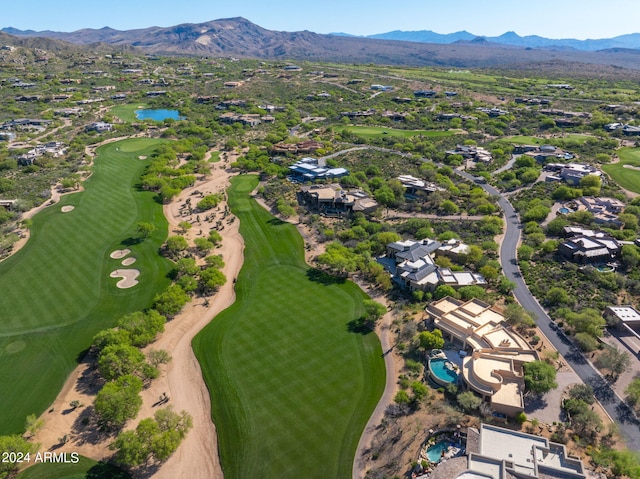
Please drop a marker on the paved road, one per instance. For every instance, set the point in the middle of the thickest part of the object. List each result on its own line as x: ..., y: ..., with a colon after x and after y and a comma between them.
x: 629, y: 426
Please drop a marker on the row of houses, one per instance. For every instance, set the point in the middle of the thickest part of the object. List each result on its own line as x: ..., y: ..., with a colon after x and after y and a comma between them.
x: 250, y: 119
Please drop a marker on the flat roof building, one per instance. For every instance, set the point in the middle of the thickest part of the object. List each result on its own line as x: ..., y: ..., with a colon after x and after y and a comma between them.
x: 494, y: 369
x: 496, y: 453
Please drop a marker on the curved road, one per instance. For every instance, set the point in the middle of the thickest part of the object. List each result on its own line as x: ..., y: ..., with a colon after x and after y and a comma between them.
x: 628, y: 425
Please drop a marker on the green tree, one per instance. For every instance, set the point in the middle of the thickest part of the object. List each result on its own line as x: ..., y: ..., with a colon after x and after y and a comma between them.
x: 518, y: 317
x: 111, y: 336
x: 557, y: 296
x: 153, y: 439
x: 525, y: 252
x: 614, y: 361
x: 449, y: 207
x: 445, y: 290
x: 469, y: 401
x: 33, y: 424
x: 539, y: 377
x: 210, y: 201
x: 215, y: 237
x: 157, y: 357
x: 582, y: 392
x: 469, y: 292
x: 187, y: 266
x: 587, y: 423
x: 630, y: 257
x: 633, y: 392
x: 203, y: 245
x: 14, y: 444
x: 119, y: 360
x: 212, y: 279
x: 402, y: 397
x: 373, y: 310
x: 176, y: 245
x: 118, y: 401
x: 428, y: 340
x: 489, y: 272
x: 338, y: 258
x: 184, y: 226
x: 586, y: 342
x: 171, y: 301
x: 143, y: 327
x: 214, y: 261
x: 145, y: 229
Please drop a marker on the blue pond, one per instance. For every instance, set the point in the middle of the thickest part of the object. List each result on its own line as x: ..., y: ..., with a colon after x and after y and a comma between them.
x: 440, y: 367
x: 158, y: 115
x: 434, y: 453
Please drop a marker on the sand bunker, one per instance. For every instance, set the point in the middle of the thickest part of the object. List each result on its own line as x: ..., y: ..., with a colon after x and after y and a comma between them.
x: 67, y: 208
x: 120, y: 253
x: 128, y: 261
x: 142, y: 157
x: 128, y: 277
x: 631, y: 167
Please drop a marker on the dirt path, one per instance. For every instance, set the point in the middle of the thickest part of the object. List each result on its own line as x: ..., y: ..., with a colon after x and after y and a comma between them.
x: 181, y: 379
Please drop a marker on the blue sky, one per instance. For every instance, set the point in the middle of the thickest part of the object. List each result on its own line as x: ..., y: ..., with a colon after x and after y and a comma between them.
x: 549, y: 18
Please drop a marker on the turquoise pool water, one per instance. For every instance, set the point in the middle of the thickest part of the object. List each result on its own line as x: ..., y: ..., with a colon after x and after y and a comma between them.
x: 158, y: 115
x: 606, y: 269
x: 564, y: 211
x: 439, y: 368
x: 434, y: 453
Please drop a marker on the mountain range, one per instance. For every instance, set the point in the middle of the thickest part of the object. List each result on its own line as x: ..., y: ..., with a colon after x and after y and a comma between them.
x: 241, y: 38
x: 631, y: 41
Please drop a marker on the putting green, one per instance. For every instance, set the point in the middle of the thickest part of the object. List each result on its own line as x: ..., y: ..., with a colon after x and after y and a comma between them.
x: 57, y: 292
x: 626, y: 172
x: 291, y: 386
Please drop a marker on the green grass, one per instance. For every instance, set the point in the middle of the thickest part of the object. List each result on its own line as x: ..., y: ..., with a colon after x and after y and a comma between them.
x: 627, y: 178
x: 378, y: 131
x: 534, y: 140
x: 291, y: 387
x: 127, y: 112
x: 85, y: 469
x: 56, y: 291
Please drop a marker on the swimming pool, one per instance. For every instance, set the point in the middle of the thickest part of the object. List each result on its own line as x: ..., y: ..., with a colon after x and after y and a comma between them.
x: 443, y: 371
x: 434, y: 453
x: 564, y: 210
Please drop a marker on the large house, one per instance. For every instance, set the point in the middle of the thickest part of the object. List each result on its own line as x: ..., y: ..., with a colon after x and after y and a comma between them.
x: 415, y: 186
x: 494, y: 367
x: 332, y: 200
x: 412, y: 266
x: 312, y: 169
x: 587, y: 247
x: 627, y: 319
x: 99, y: 126
x: 497, y: 453
x: 570, y: 173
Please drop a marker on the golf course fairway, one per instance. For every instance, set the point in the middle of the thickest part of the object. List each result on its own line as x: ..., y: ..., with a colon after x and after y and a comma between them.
x: 57, y: 292
x: 292, y: 386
